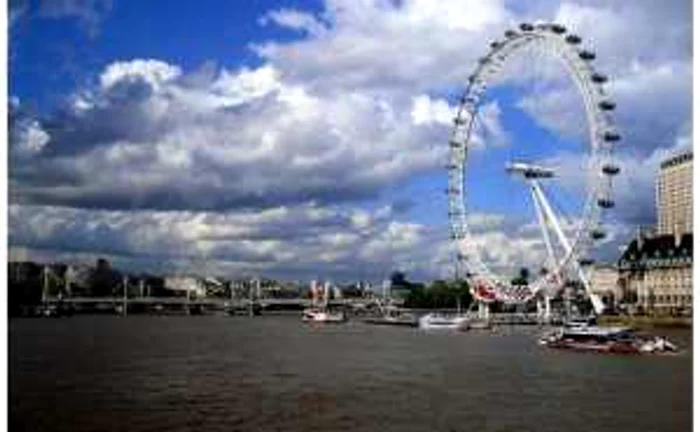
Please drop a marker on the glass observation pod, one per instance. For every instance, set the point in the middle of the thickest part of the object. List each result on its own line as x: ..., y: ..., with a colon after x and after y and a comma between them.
x: 599, y: 78
x: 611, y: 136
x: 451, y: 166
x: 597, y: 233
x: 573, y: 39
x: 527, y: 27
x: 607, y: 105
x: 585, y: 262
x: 460, y: 121
x: 611, y: 169
x: 558, y: 29
x: 495, y: 44
x: 455, y: 144
x: 587, y: 55
x: 510, y: 34
x: 468, y: 99
x: 606, y: 203
x: 484, y: 60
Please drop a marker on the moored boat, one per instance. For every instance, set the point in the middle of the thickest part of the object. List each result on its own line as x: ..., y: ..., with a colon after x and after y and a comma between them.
x: 407, y: 320
x: 323, y: 316
x: 320, y: 312
x: 392, y: 315
x: 615, y: 340
x: 434, y: 321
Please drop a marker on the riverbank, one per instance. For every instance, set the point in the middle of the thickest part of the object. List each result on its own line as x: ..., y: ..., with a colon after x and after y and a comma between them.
x: 646, y: 321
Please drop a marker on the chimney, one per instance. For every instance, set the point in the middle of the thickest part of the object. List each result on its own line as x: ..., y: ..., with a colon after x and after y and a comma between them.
x: 640, y: 238
x: 678, y: 237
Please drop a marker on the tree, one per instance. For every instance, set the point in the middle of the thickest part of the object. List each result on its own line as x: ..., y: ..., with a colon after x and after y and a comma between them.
x: 522, y: 278
x: 398, y: 280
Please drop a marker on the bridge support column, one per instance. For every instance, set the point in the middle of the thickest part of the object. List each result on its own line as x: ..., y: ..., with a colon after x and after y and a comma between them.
x: 544, y: 310
x: 483, y: 311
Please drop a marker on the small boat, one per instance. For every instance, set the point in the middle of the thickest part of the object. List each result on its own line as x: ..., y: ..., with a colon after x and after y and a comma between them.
x: 479, y: 324
x: 320, y: 312
x: 434, y: 321
x: 315, y: 315
x: 392, y: 315
x: 614, y: 340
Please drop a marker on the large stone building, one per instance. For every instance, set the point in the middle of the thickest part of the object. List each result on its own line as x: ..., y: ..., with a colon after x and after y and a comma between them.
x: 674, y: 195
x: 656, y: 272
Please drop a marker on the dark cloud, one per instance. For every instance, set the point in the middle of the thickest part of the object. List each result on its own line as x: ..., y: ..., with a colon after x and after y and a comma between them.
x: 221, y: 165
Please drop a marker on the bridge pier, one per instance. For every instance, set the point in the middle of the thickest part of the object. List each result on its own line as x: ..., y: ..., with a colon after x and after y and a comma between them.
x: 483, y: 312
x: 544, y: 310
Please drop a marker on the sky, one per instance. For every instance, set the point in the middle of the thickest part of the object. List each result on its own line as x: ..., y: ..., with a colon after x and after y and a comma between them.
x: 308, y: 139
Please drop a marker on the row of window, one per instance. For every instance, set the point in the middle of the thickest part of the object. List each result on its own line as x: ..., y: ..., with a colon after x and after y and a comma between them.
x: 671, y: 299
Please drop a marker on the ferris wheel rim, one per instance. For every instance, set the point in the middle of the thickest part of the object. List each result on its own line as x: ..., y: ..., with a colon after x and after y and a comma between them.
x: 589, y: 82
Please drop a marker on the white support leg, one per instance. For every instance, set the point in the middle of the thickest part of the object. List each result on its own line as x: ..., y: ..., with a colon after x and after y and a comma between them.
x: 543, y: 225
x: 598, y: 305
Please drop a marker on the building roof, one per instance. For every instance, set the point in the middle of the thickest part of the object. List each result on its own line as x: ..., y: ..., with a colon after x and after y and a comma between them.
x: 658, y: 251
x: 677, y: 160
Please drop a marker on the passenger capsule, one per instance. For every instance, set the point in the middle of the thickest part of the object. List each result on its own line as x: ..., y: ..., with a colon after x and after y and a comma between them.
x: 606, y: 203
x: 469, y: 100
x: 585, y: 262
x: 460, y: 121
x: 526, y: 27
x: 573, y: 39
x: 611, y: 136
x: 599, y: 78
x: 597, y: 234
x: 611, y: 169
x: 451, y: 166
x: 510, y: 34
x: 607, y: 105
x: 484, y: 60
x: 587, y: 55
x: 558, y: 28
x: 495, y: 44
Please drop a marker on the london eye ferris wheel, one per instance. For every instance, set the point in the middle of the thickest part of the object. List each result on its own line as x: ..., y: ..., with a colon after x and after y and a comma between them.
x: 567, y: 244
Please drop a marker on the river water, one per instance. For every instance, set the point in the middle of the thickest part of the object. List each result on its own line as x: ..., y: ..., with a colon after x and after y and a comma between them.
x: 273, y: 373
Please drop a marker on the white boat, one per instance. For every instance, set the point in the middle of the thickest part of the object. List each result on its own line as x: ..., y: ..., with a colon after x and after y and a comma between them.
x: 434, y: 321
x: 319, y: 312
x: 617, y: 340
x: 479, y: 324
x: 323, y: 316
x: 389, y: 314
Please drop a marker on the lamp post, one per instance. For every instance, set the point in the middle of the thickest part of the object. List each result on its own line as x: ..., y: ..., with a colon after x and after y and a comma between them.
x: 124, y: 291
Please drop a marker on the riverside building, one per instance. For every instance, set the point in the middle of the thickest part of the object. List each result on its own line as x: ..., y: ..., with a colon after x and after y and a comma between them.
x: 656, y: 272
x: 674, y: 195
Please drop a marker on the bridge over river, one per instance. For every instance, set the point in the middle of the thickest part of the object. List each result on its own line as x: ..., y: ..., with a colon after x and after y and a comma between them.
x: 229, y: 304
x: 213, y: 302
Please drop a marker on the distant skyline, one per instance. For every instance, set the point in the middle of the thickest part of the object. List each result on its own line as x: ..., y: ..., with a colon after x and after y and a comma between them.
x: 307, y: 139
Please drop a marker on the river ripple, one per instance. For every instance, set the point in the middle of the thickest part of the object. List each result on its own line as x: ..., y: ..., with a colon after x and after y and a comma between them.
x: 272, y: 373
